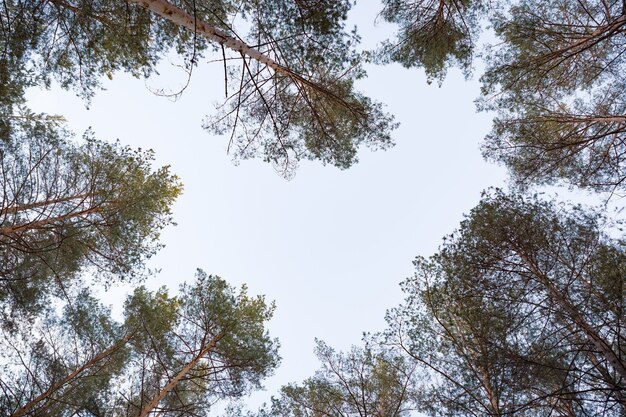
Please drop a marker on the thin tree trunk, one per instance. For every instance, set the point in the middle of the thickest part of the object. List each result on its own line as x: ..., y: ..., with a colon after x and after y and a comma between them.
x: 598, y: 342
x: 15, y: 209
x: 23, y: 410
x: 616, y: 389
x: 180, y: 375
x: 565, y: 118
x: 9, y: 230
x: 589, y: 39
x: 180, y: 17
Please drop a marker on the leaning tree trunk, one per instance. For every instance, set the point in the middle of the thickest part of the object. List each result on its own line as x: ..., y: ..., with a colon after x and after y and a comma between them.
x: 180, y: 375
x: 563, y: 302
x: 45, y: 203
x: 72, y: 376
x: 180, y: 17
x: 39, y: 224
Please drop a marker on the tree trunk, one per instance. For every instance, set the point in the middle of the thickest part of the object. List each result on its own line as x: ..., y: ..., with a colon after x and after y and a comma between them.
x: 560, y: 299
x: 180, y: 17
x: 9, y: 230
x: 588, y: 40
x: 174, y: 381
x: 15, y: 209
x: 576, y: 119
x: 26, y: 408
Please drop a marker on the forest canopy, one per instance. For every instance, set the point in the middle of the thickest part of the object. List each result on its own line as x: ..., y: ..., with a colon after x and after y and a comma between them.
x: 519, y: 312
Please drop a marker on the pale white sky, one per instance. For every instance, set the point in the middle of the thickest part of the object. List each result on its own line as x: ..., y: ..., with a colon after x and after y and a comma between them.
x: 330, y: 246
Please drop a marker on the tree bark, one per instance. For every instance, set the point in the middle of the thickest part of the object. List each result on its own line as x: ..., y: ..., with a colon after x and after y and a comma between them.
x: 566, y: 118
x: 9, y: 230
x: 179, y: 17
x: 588, y: 40
x: 181, y: 374
x: 23, y: 207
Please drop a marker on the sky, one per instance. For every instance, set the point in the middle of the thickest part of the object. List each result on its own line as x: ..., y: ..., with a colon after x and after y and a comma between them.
x: 330, y: 247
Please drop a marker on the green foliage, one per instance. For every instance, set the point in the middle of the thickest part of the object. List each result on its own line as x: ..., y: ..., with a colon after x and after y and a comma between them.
x: 174, y: 355
x: 308, y: 34
x: 519, y: 314
x: 152, y: 316
x: 207, y: 344
x: 238, y: 320
x: 67, y: 209
x: 78, y: 43
x: 363, y: 381
x: 557, y: 82
x: 302, y: 122
x: 555, y: 78
x: 311, y: 113
x: 65, y: 363
x: 432, y: 34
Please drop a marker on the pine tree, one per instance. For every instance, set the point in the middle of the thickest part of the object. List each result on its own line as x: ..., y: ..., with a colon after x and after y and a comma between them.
x: 557, y: 82
x: 67, y: 209
x: 292, y: 97
x: 520, y: 312
x: 170, y: 356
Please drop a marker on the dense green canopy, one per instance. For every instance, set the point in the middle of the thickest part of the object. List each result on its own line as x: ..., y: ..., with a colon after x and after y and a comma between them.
x: 69, y: 209
x: 171, y: 355
x: 521, y: 312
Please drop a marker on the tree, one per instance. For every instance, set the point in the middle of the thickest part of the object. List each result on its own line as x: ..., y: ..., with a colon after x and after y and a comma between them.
x: 170, y: 356
x: 555, y: 79
x: 66, y: 209
x: 213, y: 346
x: 452, y: 336
x: 433, y: 34
x: 520, y: 312
x: 65, y: 363
x: 557, y: 83
x: 294, y: 93
x: 365, y: 381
